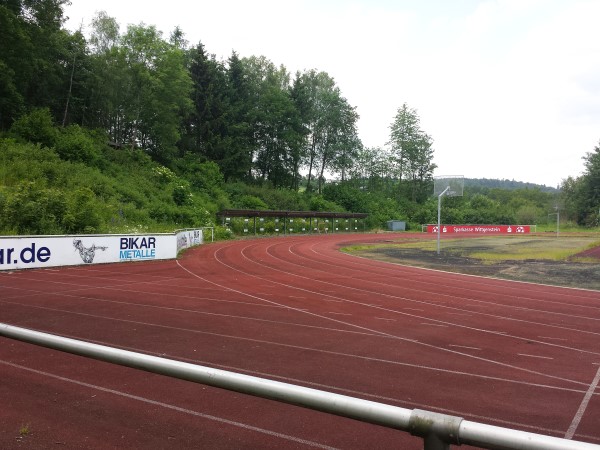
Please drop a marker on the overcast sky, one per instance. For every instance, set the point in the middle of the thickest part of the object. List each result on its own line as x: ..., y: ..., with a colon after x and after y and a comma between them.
x: 507, y: 89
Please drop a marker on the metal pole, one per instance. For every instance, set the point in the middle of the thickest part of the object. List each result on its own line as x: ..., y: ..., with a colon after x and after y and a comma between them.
x: 440, y: 218
x: 489, y: 436
x: 342, y: 405
x: 438, y: 431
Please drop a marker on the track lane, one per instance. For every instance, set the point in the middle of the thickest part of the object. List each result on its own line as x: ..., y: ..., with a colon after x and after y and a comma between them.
x: 339, y: 286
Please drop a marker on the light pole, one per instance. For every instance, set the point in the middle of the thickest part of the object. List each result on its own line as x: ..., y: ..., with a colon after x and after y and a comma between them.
x: 557, y: 213
x: 440, y: 217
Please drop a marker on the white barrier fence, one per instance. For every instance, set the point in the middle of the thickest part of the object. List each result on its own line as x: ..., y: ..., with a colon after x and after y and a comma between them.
x: 28, y: 252
x: 438, y: 431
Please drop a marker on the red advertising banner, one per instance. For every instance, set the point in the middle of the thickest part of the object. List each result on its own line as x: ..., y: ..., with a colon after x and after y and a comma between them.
x: 481, y: 229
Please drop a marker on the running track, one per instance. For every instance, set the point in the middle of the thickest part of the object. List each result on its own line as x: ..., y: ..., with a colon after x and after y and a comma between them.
x: 296, y: 310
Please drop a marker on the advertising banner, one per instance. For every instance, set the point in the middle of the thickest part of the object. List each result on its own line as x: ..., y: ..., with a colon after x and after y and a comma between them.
x: 189, y: 238
x: 51, y: 251
x: 481, y: 229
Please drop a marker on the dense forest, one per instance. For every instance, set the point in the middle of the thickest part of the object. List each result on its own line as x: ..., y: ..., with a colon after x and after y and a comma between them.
x: 126, y: 130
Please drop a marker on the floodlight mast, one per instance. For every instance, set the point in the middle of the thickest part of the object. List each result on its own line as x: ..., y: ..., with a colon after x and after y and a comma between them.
x: 440, y: 217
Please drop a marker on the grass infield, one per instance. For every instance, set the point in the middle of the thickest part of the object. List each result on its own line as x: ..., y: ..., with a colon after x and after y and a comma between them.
x: 538, y: 258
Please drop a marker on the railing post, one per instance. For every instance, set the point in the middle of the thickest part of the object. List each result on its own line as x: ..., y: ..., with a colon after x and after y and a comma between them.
x: 437, y: 430
x: 433, y: 442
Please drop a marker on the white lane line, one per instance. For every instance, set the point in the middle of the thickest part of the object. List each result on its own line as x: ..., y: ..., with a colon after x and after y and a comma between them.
x: 584, y: 403
x: 173, y: 407
x: 414, y: 309
x: 553, y: 338
x: 534, y: 356
x: 297, y: 296
x: 339, y: 314
x: 332, y: 300
x: 463, y: 346
x: 434, y: 324
x: 383, y: 318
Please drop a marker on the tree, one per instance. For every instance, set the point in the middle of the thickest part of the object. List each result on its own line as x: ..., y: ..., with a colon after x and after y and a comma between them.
x: 206, y: 125
x: 276, y: 124
x: 412, y: 152
x: 330, y: 124
x: 419, y: 168
x: 35, y: 58
x: 141, y: 87
x: 237, y: 161
x: 588, y: 199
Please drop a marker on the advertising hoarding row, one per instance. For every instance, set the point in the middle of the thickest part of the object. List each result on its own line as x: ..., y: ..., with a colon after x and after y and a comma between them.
x: 480, y: 229
x: 28, y: 252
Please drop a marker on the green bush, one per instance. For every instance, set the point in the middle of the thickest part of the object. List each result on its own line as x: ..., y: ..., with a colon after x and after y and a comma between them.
x: 33, y: 210
x: 251, y: 202
x: 83, y: 214
x: 181, y: 193
x: 76, y: 144
x: 318, y: 203
x: 36, y: 127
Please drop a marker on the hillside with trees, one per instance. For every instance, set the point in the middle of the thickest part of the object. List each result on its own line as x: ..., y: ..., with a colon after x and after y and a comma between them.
x: 127, y: 130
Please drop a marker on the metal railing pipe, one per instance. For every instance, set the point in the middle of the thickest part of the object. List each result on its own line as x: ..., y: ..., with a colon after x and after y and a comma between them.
x: 342, y: 405
x: 498, y: 438
x: 438, y: 431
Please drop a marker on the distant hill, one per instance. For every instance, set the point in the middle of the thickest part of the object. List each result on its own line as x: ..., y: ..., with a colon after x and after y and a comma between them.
x: 506, y: 184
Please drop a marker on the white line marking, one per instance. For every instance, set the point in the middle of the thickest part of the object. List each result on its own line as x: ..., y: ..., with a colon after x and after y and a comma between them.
x: 534, y: 356
x: 173, y: 407
x: 403, y: 339
x: 414, y: 309
x: 332, y: 300
x: 296, y: 296
x: 434, y: 324
x: 383, y: 318
x: 553, y: 338
x: 463, y: 346
x: 339, y: 314
x: 583, y: 406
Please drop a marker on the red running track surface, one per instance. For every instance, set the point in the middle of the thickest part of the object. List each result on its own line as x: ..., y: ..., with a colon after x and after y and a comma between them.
x: 297, y: 310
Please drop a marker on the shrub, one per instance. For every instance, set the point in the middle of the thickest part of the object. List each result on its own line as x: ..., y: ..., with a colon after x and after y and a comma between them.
x: 75, y: 144
x: 318, y: 203
x: 34, y: 210
x: 83, y: 215
x: 251, y: 202
x: 37, y: 127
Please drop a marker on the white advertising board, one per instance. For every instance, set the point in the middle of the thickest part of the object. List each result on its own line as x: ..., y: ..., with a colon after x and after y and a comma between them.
x: 25, y: 252
x: 189, y: 238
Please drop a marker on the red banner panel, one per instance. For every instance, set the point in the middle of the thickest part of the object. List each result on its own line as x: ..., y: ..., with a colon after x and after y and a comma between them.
x: 481, y: 229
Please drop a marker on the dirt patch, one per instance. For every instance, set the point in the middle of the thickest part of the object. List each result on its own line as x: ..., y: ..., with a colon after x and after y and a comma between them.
x: 585, y: 275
